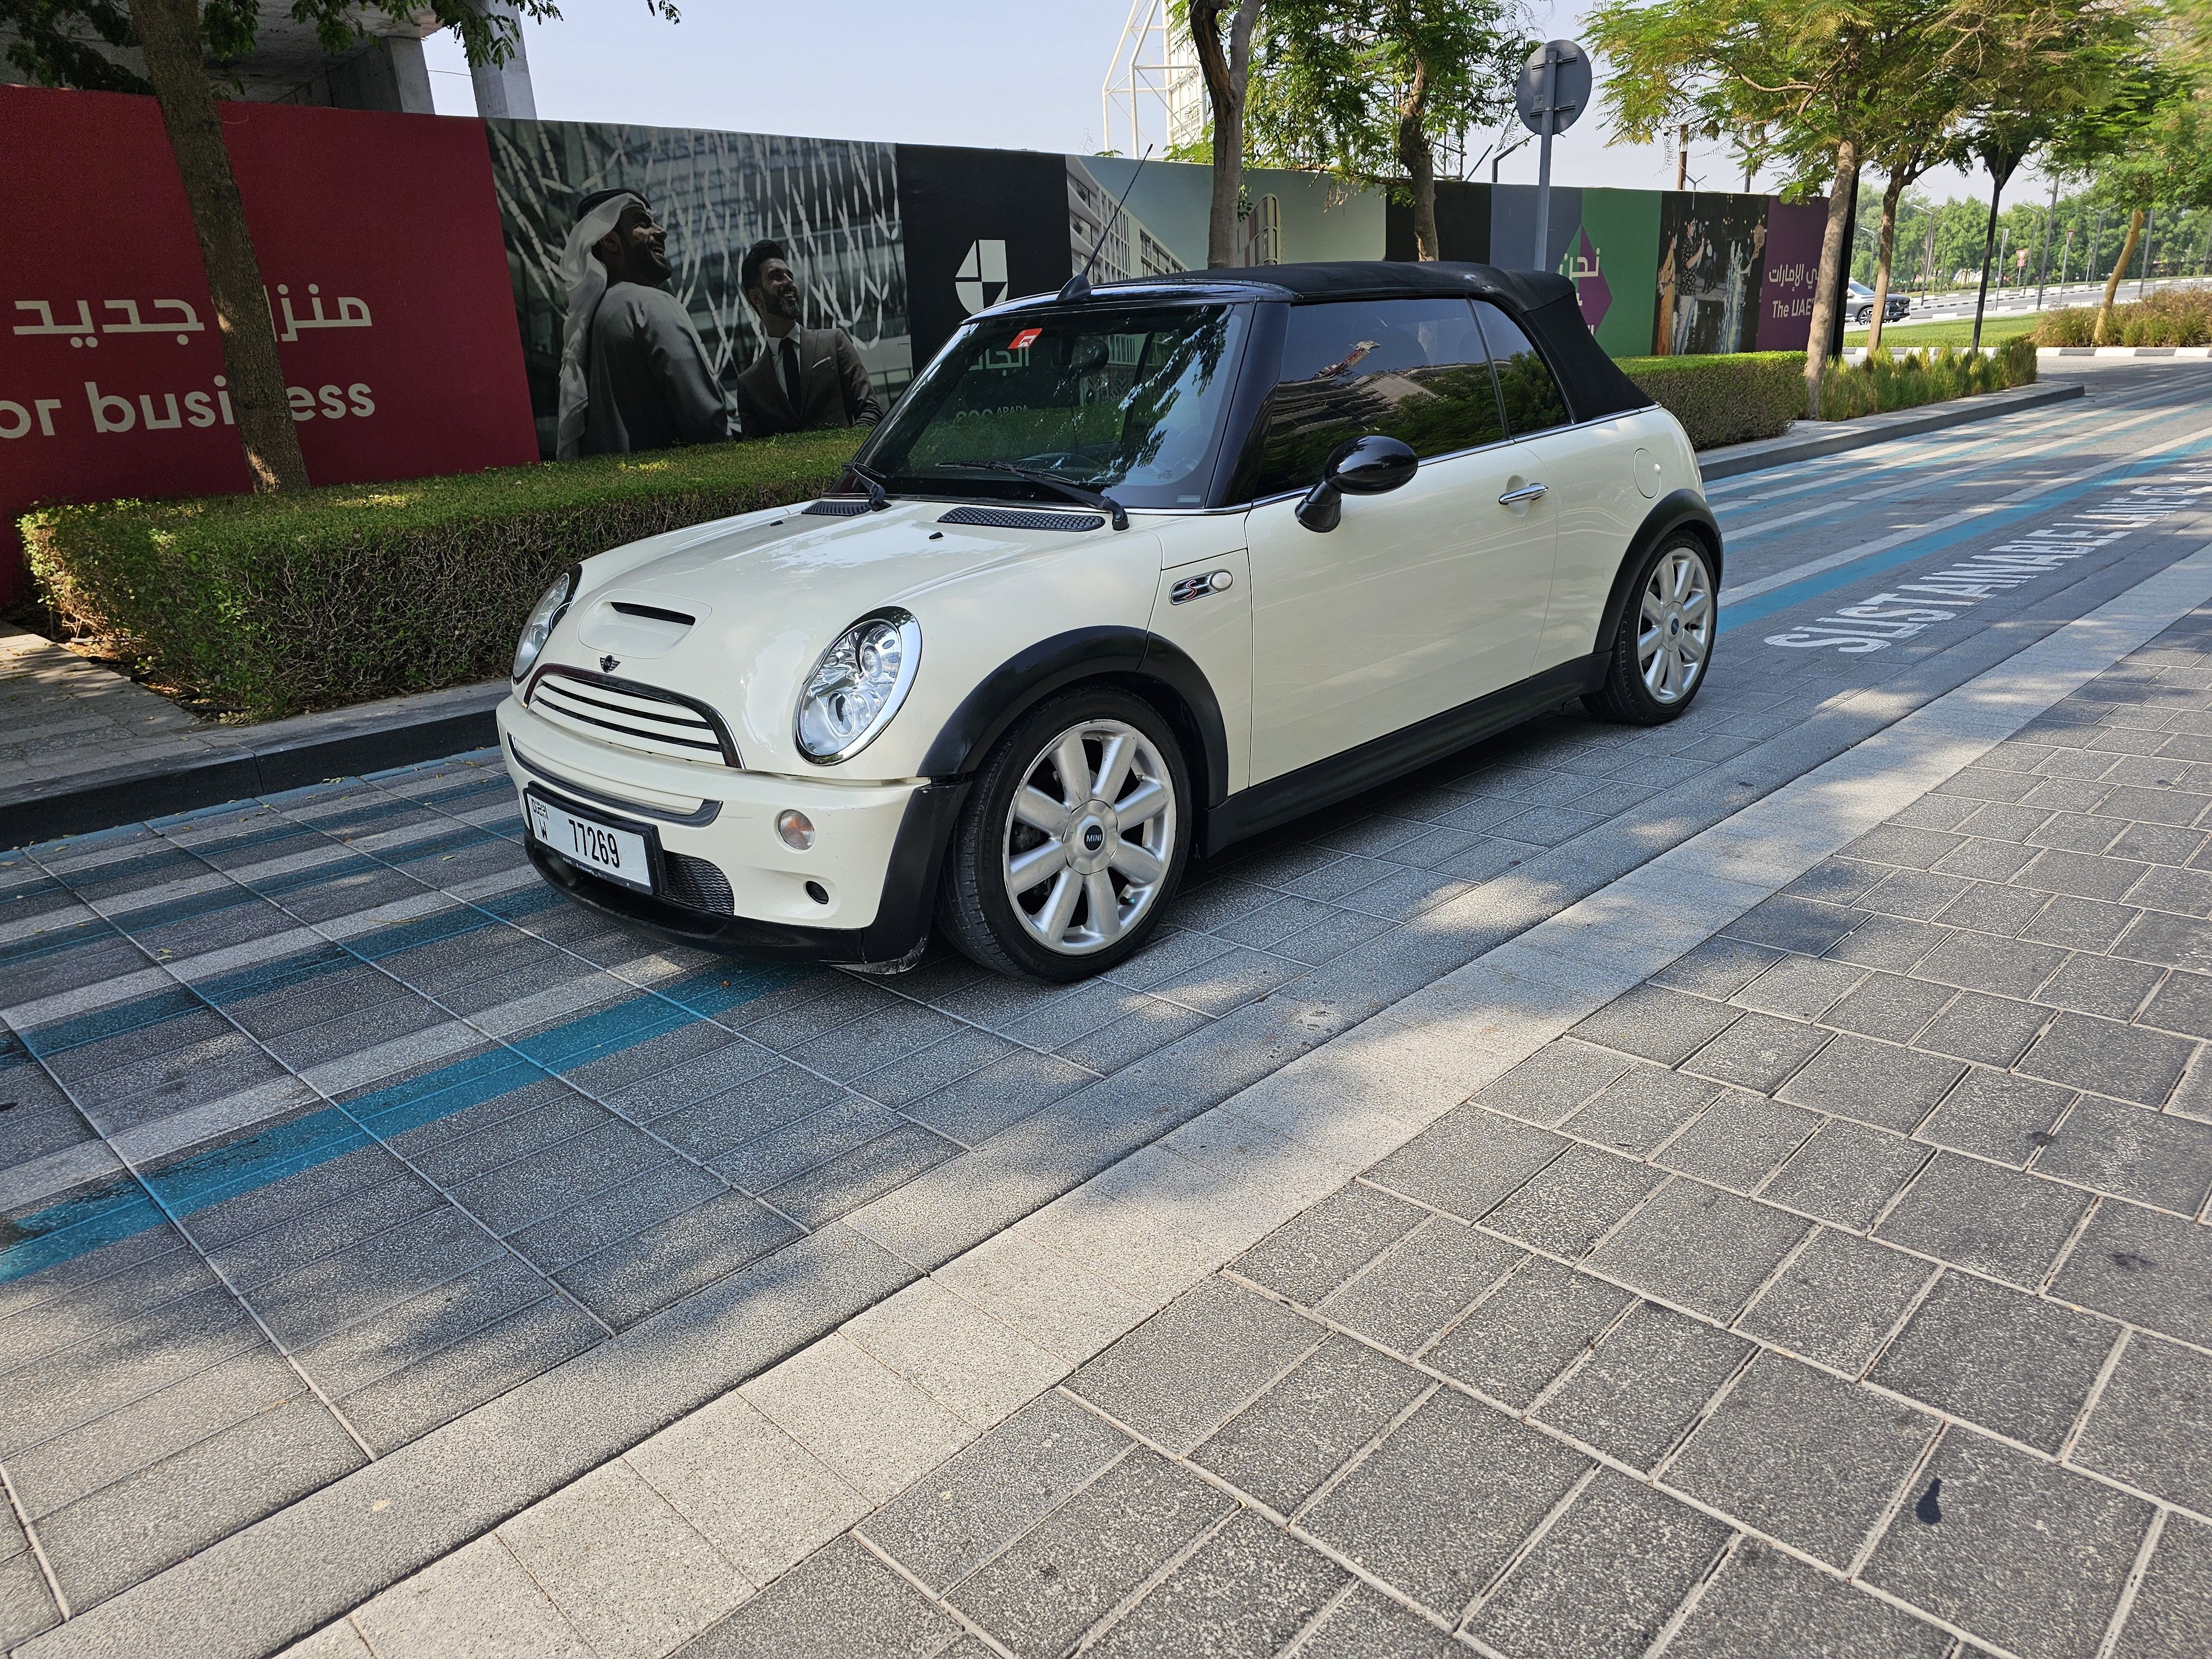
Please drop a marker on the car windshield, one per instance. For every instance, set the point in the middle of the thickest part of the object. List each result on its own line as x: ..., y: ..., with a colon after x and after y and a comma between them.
x: 1127, y: 402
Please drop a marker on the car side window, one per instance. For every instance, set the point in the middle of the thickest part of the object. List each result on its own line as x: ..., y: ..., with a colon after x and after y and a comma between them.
x: 1416, y: 370
x: 1531, y: 396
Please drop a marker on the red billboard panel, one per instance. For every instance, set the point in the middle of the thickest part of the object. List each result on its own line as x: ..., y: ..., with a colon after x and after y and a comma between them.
x: 380, y: 244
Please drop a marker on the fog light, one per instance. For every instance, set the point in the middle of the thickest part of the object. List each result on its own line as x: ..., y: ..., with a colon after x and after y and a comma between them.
x: 817, y: 892
x: 796, y: 830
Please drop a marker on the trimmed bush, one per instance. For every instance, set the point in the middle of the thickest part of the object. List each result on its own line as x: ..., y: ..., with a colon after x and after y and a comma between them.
x: 281, y: 604
x: 1730, y: 399
x: 1883, y: 382
x: 2165, y: 317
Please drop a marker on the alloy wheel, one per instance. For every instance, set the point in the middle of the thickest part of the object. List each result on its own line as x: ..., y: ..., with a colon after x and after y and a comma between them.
x: 1675, y: 634
x: 1089, y: 836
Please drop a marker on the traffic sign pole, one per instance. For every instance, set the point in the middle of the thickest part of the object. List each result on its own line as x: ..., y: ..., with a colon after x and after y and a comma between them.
x: 1554, y: 88
x: 1544, y: 158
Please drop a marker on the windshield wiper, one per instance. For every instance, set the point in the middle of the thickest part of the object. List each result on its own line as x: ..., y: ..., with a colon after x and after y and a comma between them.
x: 1075, y: 492
x: 879, y: 497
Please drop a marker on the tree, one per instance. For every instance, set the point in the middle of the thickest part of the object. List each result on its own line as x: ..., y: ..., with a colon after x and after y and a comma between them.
x: 1366, y: 89
x: 2148, y: 145
x: 58, y: 43
x: 1225, y: 65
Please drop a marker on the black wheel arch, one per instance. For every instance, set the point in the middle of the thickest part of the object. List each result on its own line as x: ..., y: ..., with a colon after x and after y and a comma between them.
x: 1683, y: 509
x: 1162, y: 673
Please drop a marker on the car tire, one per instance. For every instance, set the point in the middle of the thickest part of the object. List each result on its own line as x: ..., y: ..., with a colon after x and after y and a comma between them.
x: 1657, y: 661
x: 1013, y: 903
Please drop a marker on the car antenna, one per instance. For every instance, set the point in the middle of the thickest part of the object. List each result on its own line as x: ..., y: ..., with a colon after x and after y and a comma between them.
x: 1079, y: 284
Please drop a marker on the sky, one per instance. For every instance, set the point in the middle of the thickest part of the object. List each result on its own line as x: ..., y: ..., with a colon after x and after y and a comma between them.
x: 1002, y: 74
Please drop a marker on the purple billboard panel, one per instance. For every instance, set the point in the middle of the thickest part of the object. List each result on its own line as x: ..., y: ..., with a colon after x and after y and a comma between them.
x: 1792, y: 268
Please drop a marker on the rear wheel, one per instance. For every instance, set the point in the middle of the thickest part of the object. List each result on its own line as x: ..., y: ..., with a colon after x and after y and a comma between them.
x: 1073, y: 840
x: 1664, y: 643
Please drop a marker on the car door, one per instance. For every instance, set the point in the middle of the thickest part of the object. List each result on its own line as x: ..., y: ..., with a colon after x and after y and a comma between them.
x: 1421, y: 600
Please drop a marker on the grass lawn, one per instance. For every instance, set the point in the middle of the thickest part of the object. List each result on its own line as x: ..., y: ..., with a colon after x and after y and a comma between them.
x: 1959, y: 333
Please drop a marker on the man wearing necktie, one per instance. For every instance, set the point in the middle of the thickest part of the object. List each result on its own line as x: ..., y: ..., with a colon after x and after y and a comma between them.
x: 804, y: 378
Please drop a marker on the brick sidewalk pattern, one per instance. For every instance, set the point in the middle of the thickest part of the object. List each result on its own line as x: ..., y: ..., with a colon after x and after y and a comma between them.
x: 1840, y: 1290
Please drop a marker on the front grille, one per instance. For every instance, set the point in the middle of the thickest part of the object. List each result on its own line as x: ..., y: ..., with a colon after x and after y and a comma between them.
x: 630, y: 716
x: 1012, y: 518
x: 698, y: 884
x: 835, y: 510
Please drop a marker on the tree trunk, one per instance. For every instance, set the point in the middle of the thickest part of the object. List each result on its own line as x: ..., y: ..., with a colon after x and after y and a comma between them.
x: 1828, y: 291
x: 169, y: 32
x: 1886, y: 250
x: 2119, y: 270
x: 1419, y: 162
x: 1989, y: 243
x: 1227, y: 73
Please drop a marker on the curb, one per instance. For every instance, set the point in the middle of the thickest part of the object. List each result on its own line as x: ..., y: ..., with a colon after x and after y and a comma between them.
x: 282, y: 755
x: 2123, y: 351
x: 1732, y: 460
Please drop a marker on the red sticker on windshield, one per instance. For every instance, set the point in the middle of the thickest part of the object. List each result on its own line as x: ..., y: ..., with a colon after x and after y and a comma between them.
x: 1024, y: 339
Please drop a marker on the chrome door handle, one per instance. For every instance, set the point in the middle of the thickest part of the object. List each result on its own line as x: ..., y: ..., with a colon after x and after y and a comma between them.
x: 1526, y: 493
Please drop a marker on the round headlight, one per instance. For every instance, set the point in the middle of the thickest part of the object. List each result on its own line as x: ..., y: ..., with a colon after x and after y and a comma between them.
x: 545, y: 617
x: 857, y: 686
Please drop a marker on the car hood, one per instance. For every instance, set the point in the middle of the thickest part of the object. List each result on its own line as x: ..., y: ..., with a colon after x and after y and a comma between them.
x: 736, y: 614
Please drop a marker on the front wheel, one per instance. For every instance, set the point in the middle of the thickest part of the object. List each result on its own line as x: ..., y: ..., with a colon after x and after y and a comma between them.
x: 1073, y: 840
x: 1659, y: 653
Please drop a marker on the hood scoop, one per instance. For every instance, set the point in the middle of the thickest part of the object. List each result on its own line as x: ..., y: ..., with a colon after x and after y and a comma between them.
x: 638, y: 626
x: 1016, y: 518
x: 833, y: 509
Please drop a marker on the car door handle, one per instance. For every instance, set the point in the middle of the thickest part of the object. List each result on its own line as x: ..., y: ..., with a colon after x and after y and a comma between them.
x: 1526, y: 493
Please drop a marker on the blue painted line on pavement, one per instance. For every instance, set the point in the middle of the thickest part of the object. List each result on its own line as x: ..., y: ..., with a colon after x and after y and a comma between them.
x: 198, y: 1180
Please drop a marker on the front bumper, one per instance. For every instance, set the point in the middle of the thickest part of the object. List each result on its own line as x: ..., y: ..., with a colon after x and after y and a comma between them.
x: 862, y: 895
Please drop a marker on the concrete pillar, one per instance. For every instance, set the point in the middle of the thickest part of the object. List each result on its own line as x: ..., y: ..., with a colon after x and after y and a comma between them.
x: 387, y: 73
x: 504, y: 90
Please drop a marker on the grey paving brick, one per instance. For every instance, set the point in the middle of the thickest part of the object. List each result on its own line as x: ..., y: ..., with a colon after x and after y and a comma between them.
x: 1758, y: 1052
x: 1550, y: 1084
x: 1839, y: 1300
x: 1249, y: 1590
x: 2172, y: 1618
x: 1467, y: 1161
x: 747, y: 1111
x: 1891, y: 942
x: 1792, y: 924
x: 671, y: 1258
x: 1054, y: 1582
x: 2175, y: 941
x: 2025, y: 1555
x: 1368, y: 1625
x: 1888, y: 1087
x: 1312, y: 1253
x: 1993, y: 1114
x: 1412, y: 1293
x: 1990, y: 908
x: 1844, y: 1174
x: 1442, y: 1504
x: 1604, y: 1579
x: 1574, y: 1200
x: 1637, y: 1394
x: 312, y: 1301
x: 2112, y: 1058
x: 607, y: 1218
x: 994, y: 1490
x: 124, y: 1532
x: 839, y: 1600
x: 1889, y: 1006
x: 2083, y: 875
x: 135, y: 1288
x: 1739, y: 1140
x: 1995, y: 1031
x: 1281, y: 1448
x: 1719, y: 968
x: 476, y: 1367
x: 1657, y: 1023
x: 2102, y: 985
x: 2159, y: 843
x: 2009, y: 1361
x: 1968, y: 1213
x: 1998, y: 966
x: 1917, y: 895
x: 1799, y: 987
x: 1131, y: 1038
x: 1528, y: 1331
x: 1984, y: 861
x: 1699, y: 1247
x: 1803, y: 1457
x: 2187, y: 892
x: 545, y: 1182
x: 1636, y: 1113
x: 2152, y: 1424
x: 1904, y: 848
x: 2154, y: 1158
x: 2142, y: 1266
x: 1177, y: 1376
x: 359, y: 1354
x: 1765, y: 1604
x: 2183, y: 1003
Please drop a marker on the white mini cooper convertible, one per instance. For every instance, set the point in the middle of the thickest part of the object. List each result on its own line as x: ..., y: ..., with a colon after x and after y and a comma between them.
x: 1130, y: 571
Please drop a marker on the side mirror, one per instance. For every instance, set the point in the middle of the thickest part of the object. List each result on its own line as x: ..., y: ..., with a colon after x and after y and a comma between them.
x: 1371, y: 466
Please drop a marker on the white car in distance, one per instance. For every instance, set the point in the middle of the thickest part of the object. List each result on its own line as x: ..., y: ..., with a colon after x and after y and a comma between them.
x: 1131, y: 572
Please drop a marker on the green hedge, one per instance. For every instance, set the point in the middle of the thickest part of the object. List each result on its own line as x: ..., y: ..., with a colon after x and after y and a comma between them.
x: 279, y: 604
x: 1883, y: 382
x: 1729, y: 399
x: 2167, y: 317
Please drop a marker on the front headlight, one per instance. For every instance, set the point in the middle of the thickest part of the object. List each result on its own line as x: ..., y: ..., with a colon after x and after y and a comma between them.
x: 857, y: 686
x: 545, y: 617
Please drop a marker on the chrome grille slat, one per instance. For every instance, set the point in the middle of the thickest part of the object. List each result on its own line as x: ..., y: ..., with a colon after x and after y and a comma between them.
x: 629, y: 716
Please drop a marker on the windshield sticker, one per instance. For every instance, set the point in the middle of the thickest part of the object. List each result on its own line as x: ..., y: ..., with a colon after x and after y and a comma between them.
x: 1899, y: 612
x: 1022, y: 341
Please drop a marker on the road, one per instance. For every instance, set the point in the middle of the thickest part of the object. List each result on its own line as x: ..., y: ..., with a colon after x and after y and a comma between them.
x: 362, y: 1196
x: 2015, y: 301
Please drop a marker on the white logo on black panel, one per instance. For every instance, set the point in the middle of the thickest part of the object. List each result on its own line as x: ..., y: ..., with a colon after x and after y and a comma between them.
x: 980, y: 282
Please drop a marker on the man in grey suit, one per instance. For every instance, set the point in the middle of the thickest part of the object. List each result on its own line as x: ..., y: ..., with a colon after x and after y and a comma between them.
x: 804, y: 378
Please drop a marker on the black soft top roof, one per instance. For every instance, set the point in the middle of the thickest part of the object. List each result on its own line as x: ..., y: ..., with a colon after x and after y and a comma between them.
x: 1543, y: 302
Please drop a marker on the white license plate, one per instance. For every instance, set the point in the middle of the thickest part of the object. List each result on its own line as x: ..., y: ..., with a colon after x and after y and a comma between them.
x: 617, y: 854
